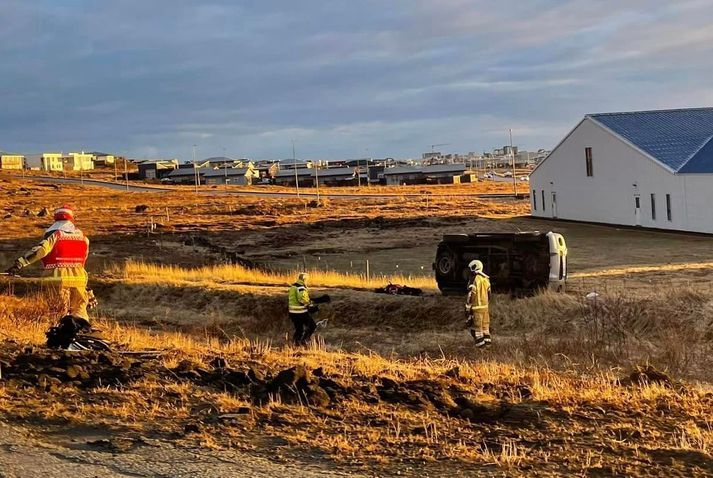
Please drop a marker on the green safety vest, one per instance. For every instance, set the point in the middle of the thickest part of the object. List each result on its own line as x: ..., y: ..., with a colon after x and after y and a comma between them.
x: 298, y: 298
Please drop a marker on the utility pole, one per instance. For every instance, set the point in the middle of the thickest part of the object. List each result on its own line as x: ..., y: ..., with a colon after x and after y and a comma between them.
x: 81, y: 168
x: 512, y: 154
x: 126, y: 174
x: 368, y: 160
x: 116, y: 178
x: 316, y: 179
x: 225, y: 169
x: 195, y: 169
x: 294, y: 165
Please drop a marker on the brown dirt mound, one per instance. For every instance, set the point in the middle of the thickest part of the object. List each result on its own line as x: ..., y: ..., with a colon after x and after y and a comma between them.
x: 48, y: 369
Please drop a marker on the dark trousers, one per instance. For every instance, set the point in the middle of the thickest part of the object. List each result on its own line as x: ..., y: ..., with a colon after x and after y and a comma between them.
x: 304, y: 327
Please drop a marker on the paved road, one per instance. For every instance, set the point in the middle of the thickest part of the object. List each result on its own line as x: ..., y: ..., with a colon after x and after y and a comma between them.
x: 22, y: 456
x: 134, y: 188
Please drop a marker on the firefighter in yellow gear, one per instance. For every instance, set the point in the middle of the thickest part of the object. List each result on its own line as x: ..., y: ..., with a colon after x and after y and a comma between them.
x: 299, y: 310
x: 63, y: 252
x: 477, y: 303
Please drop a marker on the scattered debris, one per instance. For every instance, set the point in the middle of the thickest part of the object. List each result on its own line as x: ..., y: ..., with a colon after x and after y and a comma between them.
x: 398, y: 289
x: 646, y: 375
x: 141, y: 208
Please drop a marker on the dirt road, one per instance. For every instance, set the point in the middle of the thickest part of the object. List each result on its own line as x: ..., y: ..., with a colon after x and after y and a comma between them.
x: 88, y: 457
x: 263, y: 193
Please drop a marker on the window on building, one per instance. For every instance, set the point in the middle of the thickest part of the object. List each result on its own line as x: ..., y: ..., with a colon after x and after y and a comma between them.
x: 653, y: 207
x: 588, y: 157
x: 534, y: 200
x: 544, y: 204
x: 668, y: 207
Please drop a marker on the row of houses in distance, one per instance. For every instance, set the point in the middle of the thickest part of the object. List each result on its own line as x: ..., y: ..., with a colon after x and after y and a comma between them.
x: 494, y: 159
x: 220, y: 171
x: 74, y: 161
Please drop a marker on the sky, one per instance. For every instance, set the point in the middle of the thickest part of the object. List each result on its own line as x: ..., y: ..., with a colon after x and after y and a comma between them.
x: 340, y: 78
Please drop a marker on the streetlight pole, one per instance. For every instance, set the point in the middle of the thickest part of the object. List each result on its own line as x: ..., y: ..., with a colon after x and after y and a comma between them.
x: 126, y: 174
x: 512, y: 154
x: 294, y: 165
x: 195, y: 169
x: 316, y: 179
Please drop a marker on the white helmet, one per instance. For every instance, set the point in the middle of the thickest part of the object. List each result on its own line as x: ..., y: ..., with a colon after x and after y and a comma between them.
x: 475, y: 266
x: 303, y: 276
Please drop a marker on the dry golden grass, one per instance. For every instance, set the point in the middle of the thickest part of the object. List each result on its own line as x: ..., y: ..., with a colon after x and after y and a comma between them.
x: 133, y: 272
x: 607, y: 428
x: 102, y: 211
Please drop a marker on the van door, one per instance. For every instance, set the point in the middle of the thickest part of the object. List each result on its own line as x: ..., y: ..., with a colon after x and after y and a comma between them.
x: 554, y: 205
x: 637, y: 210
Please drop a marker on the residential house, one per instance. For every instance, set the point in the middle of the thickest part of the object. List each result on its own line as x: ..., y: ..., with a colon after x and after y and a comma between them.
x: 78, y: 161
x: 642, y: 169
x: 156, y: 168
x: 11, y: 161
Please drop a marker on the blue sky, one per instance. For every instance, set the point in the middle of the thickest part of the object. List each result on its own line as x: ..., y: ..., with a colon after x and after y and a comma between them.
x: 342, y: 78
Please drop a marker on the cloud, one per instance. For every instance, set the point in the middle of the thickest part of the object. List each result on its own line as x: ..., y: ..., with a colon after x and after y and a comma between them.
x: 339, y: 77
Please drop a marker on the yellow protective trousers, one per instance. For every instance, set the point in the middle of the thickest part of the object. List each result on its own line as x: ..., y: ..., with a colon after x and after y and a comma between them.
x: 481, y: 321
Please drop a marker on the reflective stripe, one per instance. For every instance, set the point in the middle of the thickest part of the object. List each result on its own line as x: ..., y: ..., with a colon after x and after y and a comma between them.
x: 478, y: 307
x: 298, y: 310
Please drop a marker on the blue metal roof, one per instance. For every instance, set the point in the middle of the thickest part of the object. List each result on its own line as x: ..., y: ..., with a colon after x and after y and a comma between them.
x: 680, y: 139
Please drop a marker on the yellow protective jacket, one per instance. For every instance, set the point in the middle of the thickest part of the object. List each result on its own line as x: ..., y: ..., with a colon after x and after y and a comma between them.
x: 298, y: 298
x: 478, y: 293
x: 63, y: 275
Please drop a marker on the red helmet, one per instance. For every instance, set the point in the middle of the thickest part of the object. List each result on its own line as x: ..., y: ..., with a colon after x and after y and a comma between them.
x: 64, y: 213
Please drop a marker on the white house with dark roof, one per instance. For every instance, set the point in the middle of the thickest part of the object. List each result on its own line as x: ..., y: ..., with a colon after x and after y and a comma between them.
x: 646, y: 168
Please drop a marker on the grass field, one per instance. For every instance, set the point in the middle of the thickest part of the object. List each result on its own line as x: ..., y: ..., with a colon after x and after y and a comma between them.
x: 620, y: 385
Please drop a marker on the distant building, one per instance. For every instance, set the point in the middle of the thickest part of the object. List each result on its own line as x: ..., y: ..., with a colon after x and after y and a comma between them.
x: 222, y: 161
x: 186, y: 174
x: 286, y: 177
x: 402, y: 175
x: 431, y: 155
x: 234, y: 176
x: 433, y: 174
x: 51, y: 161
x: 443, y: 173
x: 294, y: 163
x: 11, y: 161
x: 338, y: 177
x: 237, y: 176
x: 102, y: 159
x: 78, y: 161
x: 156, y: 168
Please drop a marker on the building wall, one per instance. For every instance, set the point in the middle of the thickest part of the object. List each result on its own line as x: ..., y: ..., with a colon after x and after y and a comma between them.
x: 619, y: 173
x: 108, y: 159
x: 12, y: 161
x: 234, y: 180
x: 52, y: 161
x: 79, y: 161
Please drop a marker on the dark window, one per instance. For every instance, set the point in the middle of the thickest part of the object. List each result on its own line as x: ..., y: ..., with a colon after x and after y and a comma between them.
x: 534, y: 200
x: 588, y: 157
x: 544, y: 204
x: 653, y: 207
x: 668, y: 207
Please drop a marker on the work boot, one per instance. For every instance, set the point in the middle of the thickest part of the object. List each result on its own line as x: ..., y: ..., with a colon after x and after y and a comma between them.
x: 479, y: 339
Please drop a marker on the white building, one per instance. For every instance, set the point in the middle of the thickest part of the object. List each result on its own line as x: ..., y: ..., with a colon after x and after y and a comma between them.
x: 51, y: 161
x: 650, y: 169
x: 78, y: 161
